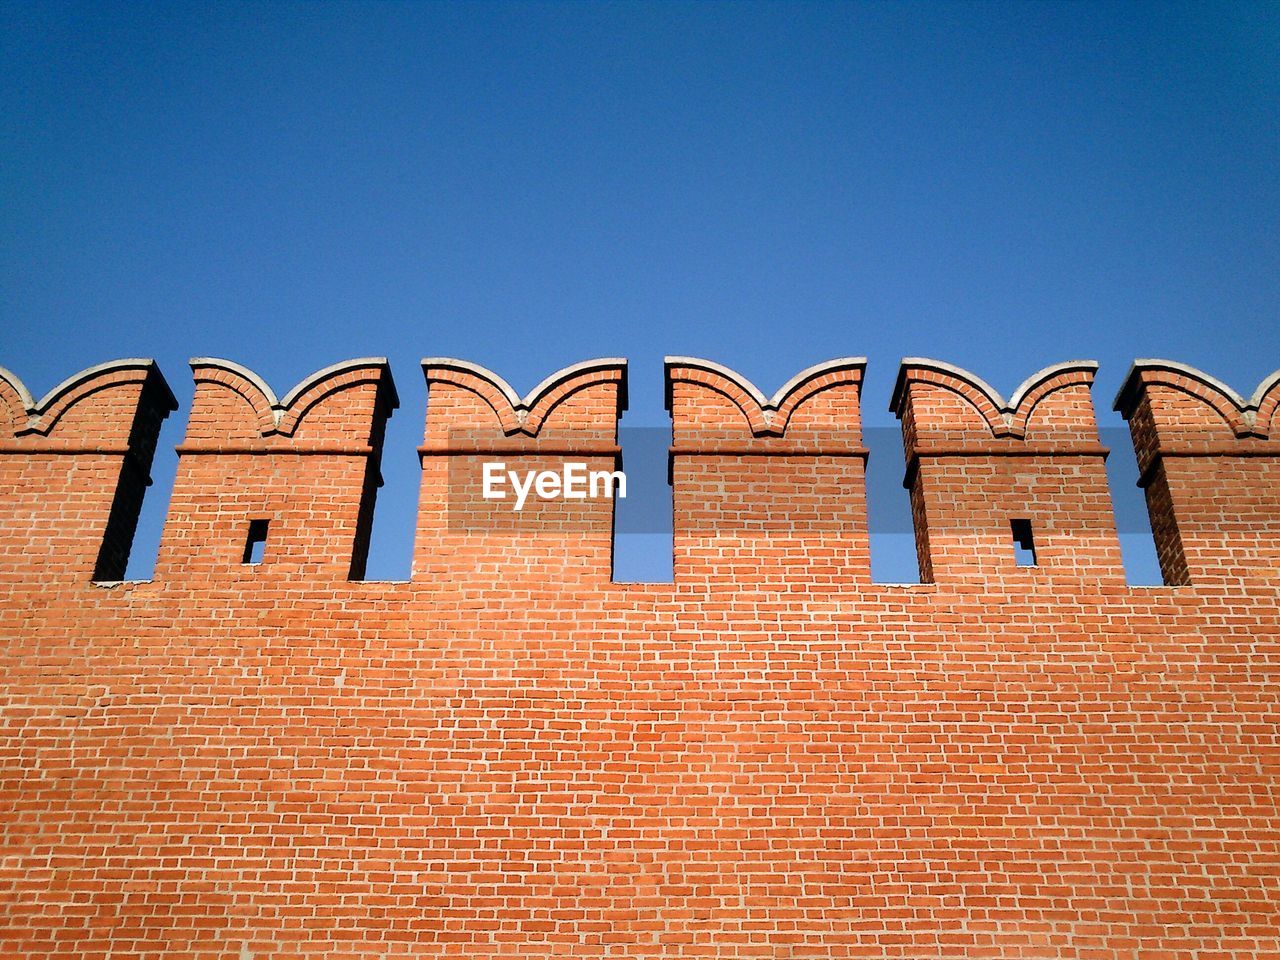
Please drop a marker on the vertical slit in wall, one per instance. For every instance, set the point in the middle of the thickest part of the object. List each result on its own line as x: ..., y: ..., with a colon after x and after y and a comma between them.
x: 643, y: 536
x: 1143, y: 546
x: 889, y: 510
x: 369, y: 493
x: 153, y: 510
x: 142, y: 499
x: 383, y: 547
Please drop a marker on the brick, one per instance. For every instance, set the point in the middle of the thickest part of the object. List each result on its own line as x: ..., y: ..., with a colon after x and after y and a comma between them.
x: 510, y: 756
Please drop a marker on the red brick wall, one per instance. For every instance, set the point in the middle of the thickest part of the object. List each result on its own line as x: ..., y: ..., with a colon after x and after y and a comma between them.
x: 974, y: 465
x: 571, y: 417
x: 1209, y: 464
x: 769, y: 493
x: 510, y: 756
x: 310, y: 468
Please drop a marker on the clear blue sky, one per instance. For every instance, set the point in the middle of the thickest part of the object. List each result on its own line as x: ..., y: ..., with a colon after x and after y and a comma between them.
x: 997, y: 185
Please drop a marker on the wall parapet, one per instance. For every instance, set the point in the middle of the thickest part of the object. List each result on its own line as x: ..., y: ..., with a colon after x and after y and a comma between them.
x: 1004, y: 418
x: 300, y: 472
x: 77, y: 462
x: 1206, y: 458
x: 475, y: 416
x: 264, y: 420
x: 765, y: 416
x: 796, y: 520
x: 1211, y: 419
x: 28, y: 417
x: 520, y: 420
x: 988, y: 476
x: 1249, y: 417
x: 753, y: 474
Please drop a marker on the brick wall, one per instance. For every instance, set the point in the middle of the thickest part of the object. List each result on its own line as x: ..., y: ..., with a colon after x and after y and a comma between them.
x: 511, y: 756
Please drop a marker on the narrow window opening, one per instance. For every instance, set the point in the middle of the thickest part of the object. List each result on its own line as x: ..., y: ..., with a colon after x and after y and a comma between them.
x: 1024, y: 544
x: 256, y: 542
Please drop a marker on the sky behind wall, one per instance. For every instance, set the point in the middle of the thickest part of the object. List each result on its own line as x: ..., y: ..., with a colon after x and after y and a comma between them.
x: 528, y: 185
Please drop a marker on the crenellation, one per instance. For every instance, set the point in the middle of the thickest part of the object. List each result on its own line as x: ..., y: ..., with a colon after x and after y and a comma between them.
x: 579, y: 403
x: 1208, y: 464
x: 474, y: 417
x: 234, y: 406
x: 978, y: 466
x: 307, y: 465
x: 768, y: 490
x: 75, y: 468
x: 743, y: 467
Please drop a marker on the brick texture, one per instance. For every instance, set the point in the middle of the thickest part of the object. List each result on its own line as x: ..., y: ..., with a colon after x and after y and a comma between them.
x: 511, y: 756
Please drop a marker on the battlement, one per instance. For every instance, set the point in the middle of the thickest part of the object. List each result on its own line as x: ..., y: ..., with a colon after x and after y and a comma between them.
x: 75, y: 466
x: 986, y: 474
x: 1208, y: 461
x: 578, y: 406
x: 767, y: 490
x: 258, y: 754
x: 329, y: 407
x: 956, y: 406
x: 816, y: 410
x: 298, y: 475
x: 474, y: 417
